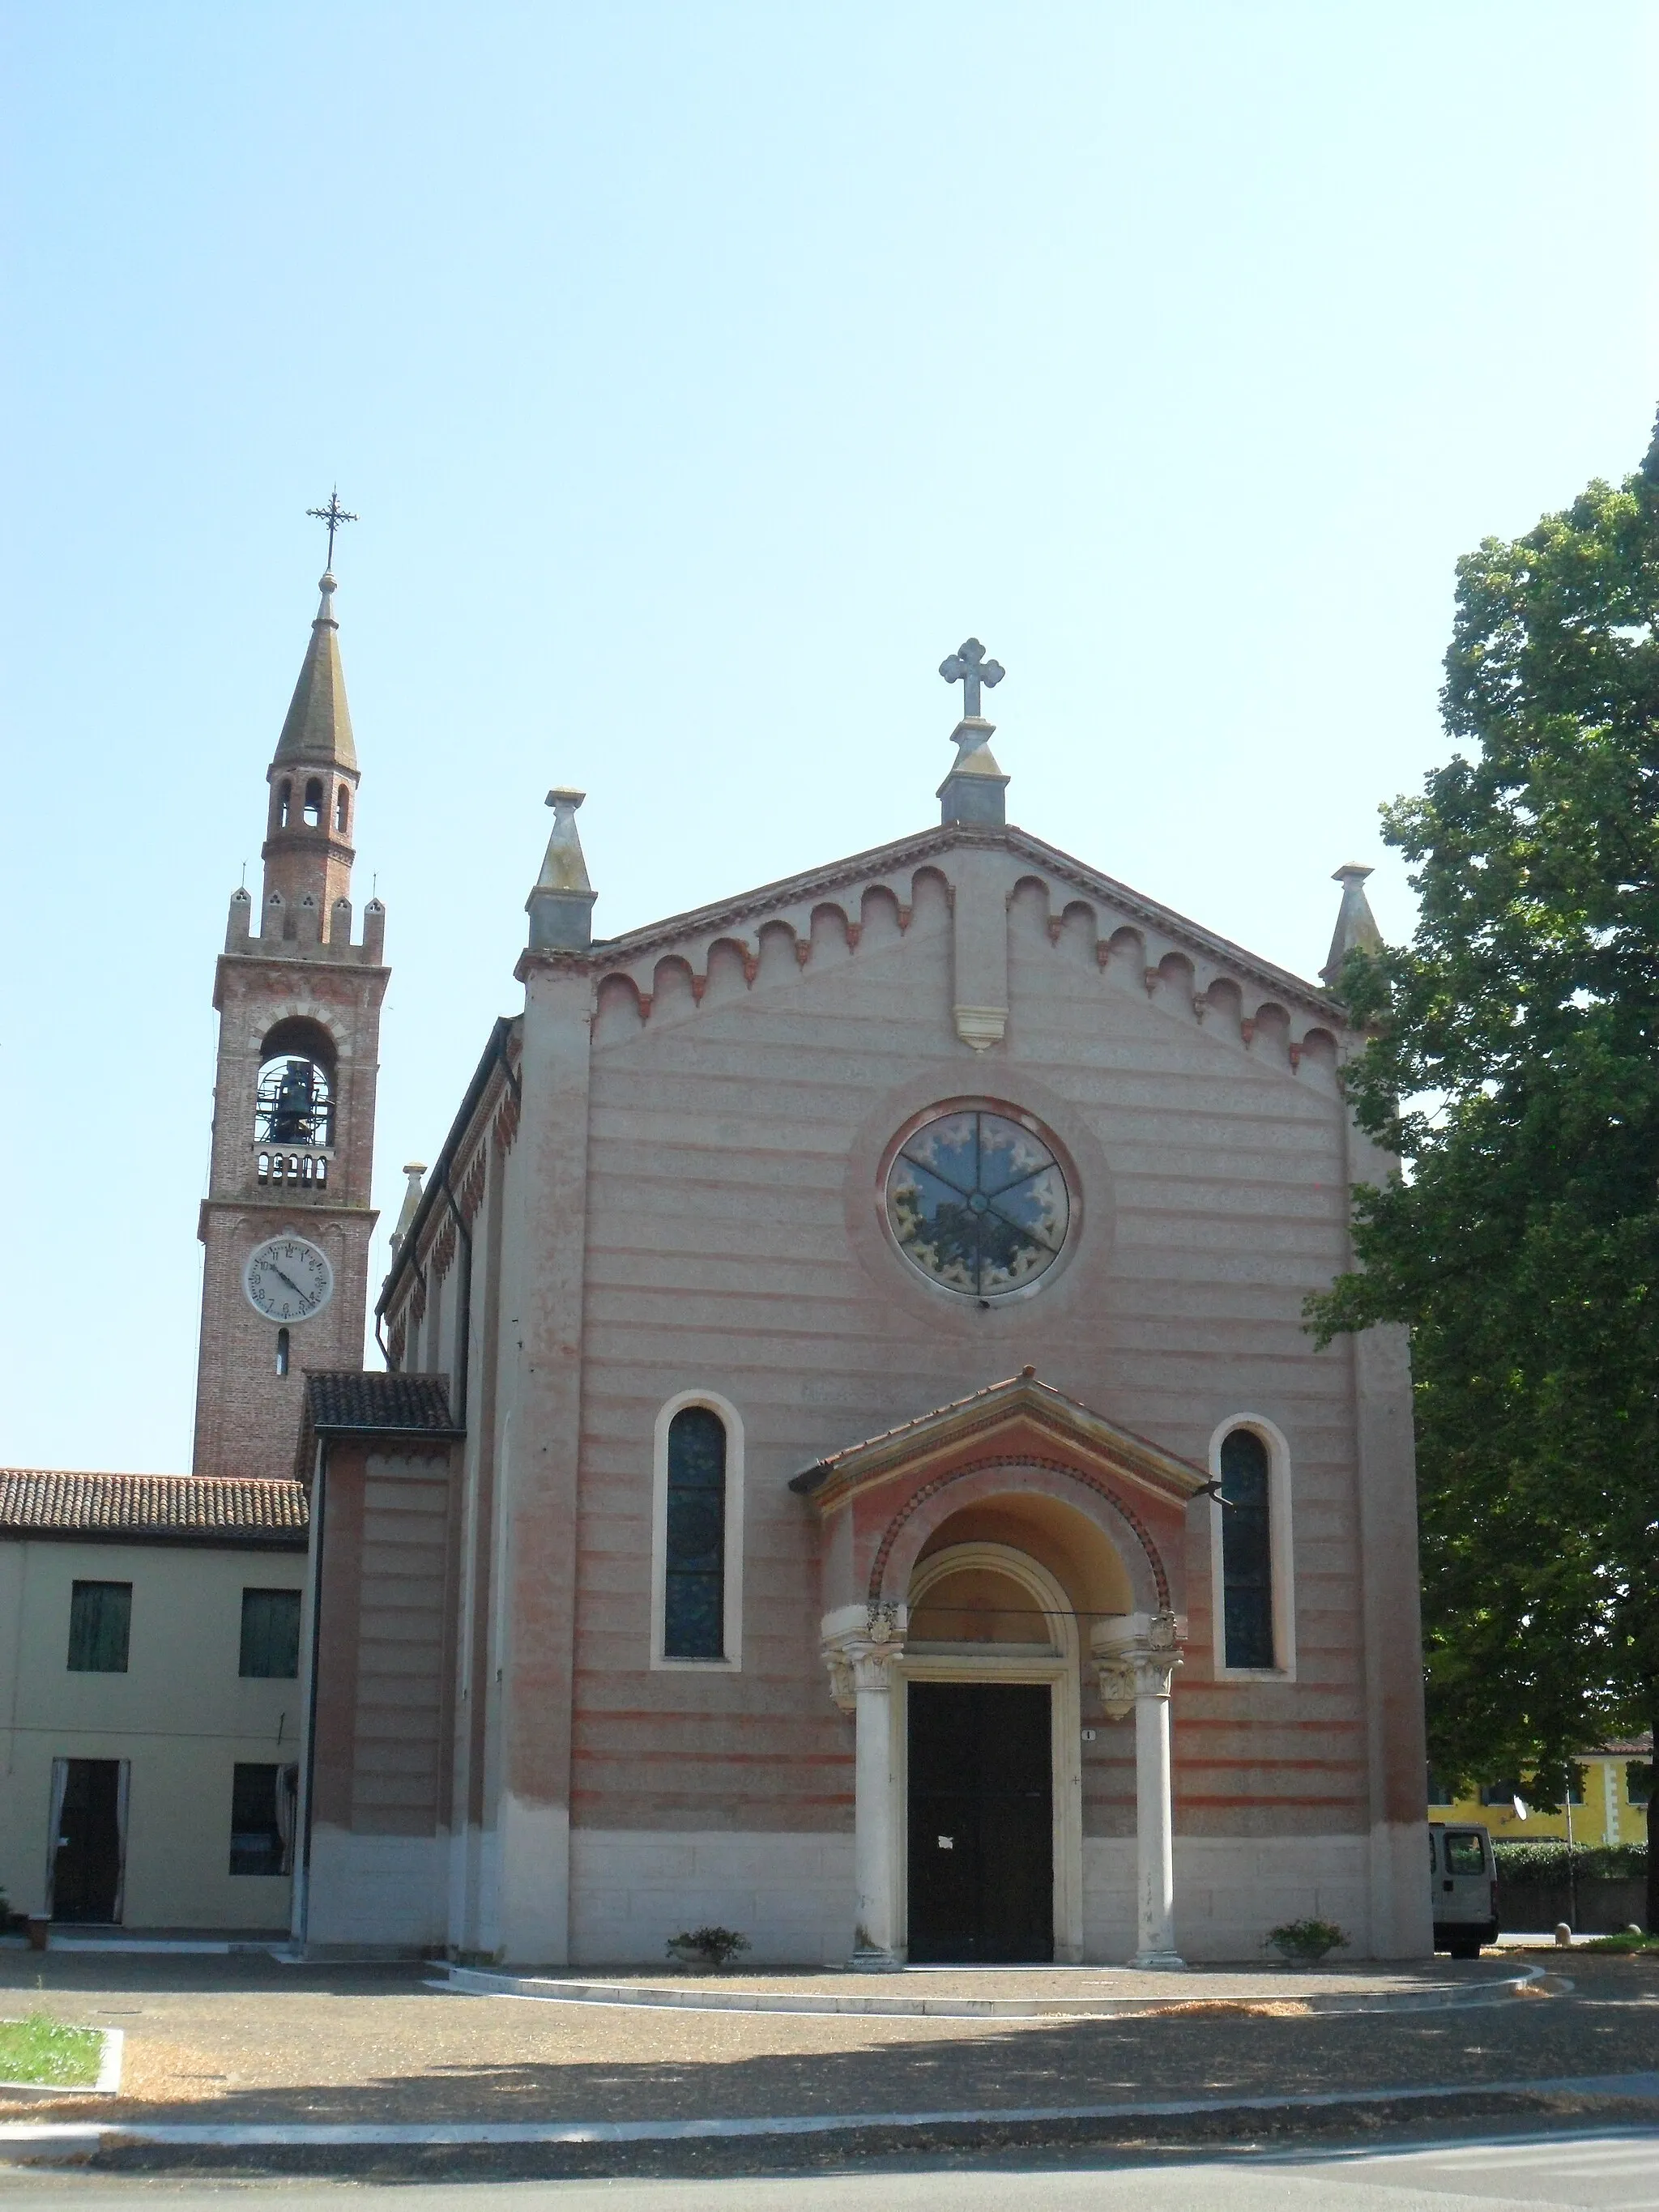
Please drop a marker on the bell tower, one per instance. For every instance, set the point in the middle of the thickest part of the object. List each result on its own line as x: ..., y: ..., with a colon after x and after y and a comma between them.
x: 287, y: 1219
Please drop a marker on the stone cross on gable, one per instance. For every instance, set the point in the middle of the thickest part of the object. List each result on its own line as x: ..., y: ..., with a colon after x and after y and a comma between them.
x: 968, y: 666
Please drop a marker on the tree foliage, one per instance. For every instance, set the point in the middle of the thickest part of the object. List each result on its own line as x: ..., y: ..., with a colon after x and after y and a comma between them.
x: 1513, y: 1067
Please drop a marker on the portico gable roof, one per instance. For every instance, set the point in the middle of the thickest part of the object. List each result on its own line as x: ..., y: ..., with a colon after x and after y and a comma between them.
x: 1032, y: 1418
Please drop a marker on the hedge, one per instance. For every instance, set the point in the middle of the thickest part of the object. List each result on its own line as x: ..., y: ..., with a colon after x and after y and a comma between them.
x: 1548, y: 1860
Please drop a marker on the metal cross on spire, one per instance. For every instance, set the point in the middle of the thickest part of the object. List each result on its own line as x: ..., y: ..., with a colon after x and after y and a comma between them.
x: 968, y: 666
x: 334, y: 514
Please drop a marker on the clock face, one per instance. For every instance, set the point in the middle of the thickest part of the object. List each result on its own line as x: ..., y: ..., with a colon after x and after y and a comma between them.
x: 288, y: 1278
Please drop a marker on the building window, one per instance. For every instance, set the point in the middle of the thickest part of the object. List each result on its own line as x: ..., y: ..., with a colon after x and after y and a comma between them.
x: 693, y: 1590
x: 1438, y: 1793
x: 261, y: 1820
x: 1575, y: 1785
x: 313, y: 809
x: 1247, y: 1557
x: 342, y: 810
x: 284, y: 803
x: 977, y: 1202
x: 270, y: 1633
x: 100, y: 1626
x: 1639, y: 1781
x: 1499, y: 1793
x: 282, y: 1351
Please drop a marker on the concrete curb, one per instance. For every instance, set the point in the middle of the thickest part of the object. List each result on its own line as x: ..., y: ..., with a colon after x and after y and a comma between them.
x: 26, y: 2142
x: 475, y: 1981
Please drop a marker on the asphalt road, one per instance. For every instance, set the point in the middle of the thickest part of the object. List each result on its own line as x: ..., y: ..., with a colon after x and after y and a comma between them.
x: 1611, y: 2170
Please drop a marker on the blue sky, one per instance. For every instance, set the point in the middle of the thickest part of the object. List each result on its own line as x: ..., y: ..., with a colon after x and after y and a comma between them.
x: 702, y: 376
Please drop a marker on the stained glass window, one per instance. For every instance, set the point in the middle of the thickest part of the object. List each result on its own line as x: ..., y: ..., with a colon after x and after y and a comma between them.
x: 978, y: 1202
x: 1247, y: 1567
x: 694, y: 1594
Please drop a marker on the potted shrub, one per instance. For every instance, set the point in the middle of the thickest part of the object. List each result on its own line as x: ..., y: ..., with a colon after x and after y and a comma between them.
x: 706, y: 1950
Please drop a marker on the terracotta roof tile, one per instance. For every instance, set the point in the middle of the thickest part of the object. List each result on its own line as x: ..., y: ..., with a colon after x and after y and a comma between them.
x: 357, y: 1401
x: 55, y: 1501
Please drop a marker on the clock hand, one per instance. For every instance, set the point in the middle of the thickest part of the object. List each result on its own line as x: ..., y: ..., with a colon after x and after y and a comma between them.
x: 292, y: 1285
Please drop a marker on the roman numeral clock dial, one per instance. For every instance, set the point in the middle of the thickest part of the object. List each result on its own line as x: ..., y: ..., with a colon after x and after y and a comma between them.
x: 288, y: 1278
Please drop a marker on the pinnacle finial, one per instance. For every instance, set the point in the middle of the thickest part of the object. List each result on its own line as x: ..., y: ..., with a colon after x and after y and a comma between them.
x: 1356, y: 925
x: 561, y: 903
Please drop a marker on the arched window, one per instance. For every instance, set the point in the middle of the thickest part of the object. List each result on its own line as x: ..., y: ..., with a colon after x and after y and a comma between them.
x: 342, y: 810
x: 282, y: 1351
x: 694, y: 1582
x: 284, y: 802
x: 1246, y: 1550
x: 313, y: 802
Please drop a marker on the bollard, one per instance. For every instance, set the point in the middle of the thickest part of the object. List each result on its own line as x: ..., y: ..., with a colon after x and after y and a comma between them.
x: 1563, y: 1936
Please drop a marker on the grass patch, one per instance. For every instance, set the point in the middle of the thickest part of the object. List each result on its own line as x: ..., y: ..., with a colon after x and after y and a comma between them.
x: 1629, y: 1945
x: 39, y: 2051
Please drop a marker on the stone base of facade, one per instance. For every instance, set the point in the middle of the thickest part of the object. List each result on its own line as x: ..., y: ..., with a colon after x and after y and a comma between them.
x: 790, y: 1895
x: 1229, y: 1891
x: 375, y: 1895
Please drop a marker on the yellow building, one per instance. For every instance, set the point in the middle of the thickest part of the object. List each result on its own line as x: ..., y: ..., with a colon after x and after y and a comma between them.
x: 150, y: 1687
x: 1608, y: 1807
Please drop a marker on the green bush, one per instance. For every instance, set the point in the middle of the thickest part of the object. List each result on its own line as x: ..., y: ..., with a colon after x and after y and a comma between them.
x: 1306, y: 1942
x: 1546, y: 1861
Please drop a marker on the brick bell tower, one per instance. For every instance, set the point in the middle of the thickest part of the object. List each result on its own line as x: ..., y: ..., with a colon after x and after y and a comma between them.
x: 287, y: 1220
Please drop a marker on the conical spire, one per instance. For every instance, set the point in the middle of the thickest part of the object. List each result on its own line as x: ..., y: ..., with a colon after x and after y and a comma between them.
x: 319, y: 725
x: 561, y: 901
x: 1356, y: 925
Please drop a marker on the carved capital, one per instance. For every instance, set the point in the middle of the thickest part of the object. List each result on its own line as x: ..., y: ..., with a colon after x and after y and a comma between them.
x: 866, y: 1657
x: 1138, y: 1660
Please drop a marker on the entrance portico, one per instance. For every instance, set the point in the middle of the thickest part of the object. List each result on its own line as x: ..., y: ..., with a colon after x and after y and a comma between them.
x: 1014, y: 1537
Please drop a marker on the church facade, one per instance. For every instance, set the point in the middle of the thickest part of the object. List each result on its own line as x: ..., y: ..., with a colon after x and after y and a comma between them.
x: 851, y: 1469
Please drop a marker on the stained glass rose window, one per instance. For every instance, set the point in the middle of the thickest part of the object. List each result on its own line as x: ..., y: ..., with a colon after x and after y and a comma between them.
x: 978, y: 1203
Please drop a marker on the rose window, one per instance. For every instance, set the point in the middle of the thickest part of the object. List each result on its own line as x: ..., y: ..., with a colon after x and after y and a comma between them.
x: 978, y: 1203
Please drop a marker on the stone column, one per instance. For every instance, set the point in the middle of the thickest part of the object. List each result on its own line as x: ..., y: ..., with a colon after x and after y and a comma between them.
x: 863, y: 1663
x: 1136, y: 1657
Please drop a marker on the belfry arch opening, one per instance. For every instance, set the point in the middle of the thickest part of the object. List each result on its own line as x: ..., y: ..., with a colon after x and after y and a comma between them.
x: 313, y: 807
x: 294, y: 1101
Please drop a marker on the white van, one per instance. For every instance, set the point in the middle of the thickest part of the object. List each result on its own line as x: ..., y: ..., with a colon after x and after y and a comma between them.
x: 1464, y: 1885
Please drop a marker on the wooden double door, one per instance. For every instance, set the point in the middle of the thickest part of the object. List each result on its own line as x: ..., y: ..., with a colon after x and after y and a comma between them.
x: 981, y: 1824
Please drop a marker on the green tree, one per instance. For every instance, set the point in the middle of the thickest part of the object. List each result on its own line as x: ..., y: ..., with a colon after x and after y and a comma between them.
x: 1513, y: 1065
